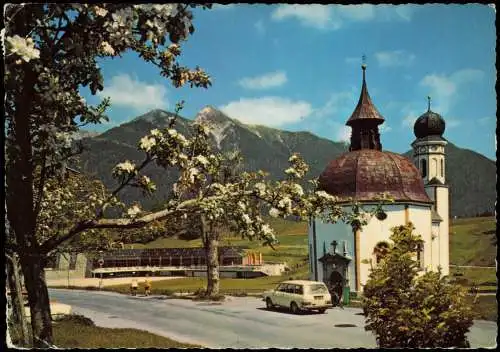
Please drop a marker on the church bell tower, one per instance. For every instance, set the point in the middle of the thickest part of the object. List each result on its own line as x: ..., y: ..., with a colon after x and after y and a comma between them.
x: 430, y: 158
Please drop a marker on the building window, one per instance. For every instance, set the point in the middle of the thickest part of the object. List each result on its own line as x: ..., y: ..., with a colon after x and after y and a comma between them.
x: 435, y: 166
x: 442, y: 168
x: 423, y: 167
x: 380, y: 251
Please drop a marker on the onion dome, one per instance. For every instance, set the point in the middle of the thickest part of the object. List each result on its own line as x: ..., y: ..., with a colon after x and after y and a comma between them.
x: 364, y: 174
x: 429, y: 124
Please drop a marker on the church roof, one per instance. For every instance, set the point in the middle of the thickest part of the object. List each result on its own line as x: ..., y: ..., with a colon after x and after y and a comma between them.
x: 362, y: 175
x: 429, y: 123
x: 435, y: 216
x: 328, y: 257
x: 365, y: 110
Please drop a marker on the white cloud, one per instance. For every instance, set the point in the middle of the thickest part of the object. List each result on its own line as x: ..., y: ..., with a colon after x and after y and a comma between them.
x: 385, y: 128
x: 451, y: 123
x: 485, y: 120
x: 333, y: 17
x: 336, y: 103
x: 129, y: 92
x: 223, y: 6
x: 268, y: 111
x: 343, y: 133
x: 259, y: 26
x: 444, y: 89
x: 353, y: 60
x: 409, y: 119
x: 265, y: 81
x: 394, y: 58
x: 314, y: 15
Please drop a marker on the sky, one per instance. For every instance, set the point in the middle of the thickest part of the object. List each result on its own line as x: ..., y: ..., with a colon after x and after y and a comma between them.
x: 298, y: 68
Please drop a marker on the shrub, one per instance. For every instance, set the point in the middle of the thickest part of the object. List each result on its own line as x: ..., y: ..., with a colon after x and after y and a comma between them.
x: 77, y: 319
x: 406, y: 310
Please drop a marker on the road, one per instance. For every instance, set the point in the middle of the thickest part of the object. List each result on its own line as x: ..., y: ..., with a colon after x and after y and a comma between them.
x: 242, y: 322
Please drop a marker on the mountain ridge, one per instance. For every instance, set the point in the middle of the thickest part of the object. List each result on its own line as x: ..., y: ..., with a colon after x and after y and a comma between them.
x: 471, y: 176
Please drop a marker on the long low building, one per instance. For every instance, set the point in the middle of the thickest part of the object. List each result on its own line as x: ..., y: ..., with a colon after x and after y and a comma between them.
x: 235, y: 262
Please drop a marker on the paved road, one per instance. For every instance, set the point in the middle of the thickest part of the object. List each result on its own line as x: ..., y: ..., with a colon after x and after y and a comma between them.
x: 241, y: 322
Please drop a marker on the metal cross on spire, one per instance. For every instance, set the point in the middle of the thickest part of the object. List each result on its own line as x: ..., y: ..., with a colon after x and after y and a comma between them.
x: 428, y: 103
x: 363, y: 61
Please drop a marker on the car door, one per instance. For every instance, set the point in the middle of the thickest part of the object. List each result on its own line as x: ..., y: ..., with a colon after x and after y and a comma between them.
x: 287, y: 295
x: 277, y: 295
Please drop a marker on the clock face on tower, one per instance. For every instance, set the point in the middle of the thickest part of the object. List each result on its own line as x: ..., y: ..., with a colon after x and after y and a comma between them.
x: 422, y: 149
x: 433, y: 147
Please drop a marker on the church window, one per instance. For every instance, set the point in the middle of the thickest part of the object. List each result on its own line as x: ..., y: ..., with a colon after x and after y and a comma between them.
x: 423, y: 167
x: 435, y: 166
x: 442, y: 167
x: 380, y: 251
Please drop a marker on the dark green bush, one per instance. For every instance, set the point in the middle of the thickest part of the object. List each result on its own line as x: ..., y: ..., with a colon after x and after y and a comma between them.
x: 406, y: 310
x: 77, y: 319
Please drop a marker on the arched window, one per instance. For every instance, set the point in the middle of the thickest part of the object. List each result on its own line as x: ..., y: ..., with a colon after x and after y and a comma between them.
x: 423, y: 167
x: 442, y: 168
x: 380, y: 251
x: 435, y: 166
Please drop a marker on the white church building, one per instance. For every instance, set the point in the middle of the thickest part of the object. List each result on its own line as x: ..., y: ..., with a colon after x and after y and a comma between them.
x: 341, y: 256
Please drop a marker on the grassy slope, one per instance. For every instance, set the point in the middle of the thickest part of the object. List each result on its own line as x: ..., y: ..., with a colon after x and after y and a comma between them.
x: 471, y: 243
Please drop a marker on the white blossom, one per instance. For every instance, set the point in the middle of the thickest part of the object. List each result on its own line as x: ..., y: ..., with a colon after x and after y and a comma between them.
x: 298, y: 189
x: 100, y: 11
x: 246, y: 219
x: 156, y: 133
x: 292, y: 171
x: 107, y: 49
x: 267, y: 230
x: 133, y: 211
x: 24, y: 47
x: 147, y: 143
x: 126, y: 166
x: 325, y: 195
x: 260, y: 187
x: 172, y: 133
x: 202, y: 160
x: 274, y: 213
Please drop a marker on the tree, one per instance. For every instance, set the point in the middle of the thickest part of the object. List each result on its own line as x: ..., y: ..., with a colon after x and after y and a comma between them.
x: 51, y: 53
x: 407, y: 310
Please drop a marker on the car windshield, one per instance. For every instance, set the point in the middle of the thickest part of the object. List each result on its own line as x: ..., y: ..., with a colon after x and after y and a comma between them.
x: 318, y: 288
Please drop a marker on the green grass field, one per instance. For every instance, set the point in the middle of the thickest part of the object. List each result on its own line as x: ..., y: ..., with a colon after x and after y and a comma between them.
x: 472, y: 243
x: 76, y: 331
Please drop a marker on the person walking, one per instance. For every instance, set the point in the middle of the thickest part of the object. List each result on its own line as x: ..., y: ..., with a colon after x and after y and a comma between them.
x: 147, y: 286
x: 133, y: 287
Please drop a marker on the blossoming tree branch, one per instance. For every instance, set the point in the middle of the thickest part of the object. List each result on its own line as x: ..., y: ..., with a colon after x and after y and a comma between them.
x: 51, y: 56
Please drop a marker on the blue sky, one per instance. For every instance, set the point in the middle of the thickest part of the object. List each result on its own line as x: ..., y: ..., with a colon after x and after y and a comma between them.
x: 297, y: 67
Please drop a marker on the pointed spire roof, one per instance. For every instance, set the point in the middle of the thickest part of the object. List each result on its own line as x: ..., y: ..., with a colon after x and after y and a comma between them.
x: 365, y: 110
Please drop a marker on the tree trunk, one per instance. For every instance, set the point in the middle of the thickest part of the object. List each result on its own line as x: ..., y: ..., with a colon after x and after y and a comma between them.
x: 17, y: 301
x: 211, y: 245
x: 38, y: 297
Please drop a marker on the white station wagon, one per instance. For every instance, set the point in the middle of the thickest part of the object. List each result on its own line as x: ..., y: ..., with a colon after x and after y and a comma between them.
x: 299, y: 295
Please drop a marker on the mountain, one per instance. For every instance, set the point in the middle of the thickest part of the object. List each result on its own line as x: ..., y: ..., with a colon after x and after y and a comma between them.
x: 471, y: 176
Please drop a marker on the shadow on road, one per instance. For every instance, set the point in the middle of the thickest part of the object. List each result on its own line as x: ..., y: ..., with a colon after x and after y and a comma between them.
x: 287, y: 311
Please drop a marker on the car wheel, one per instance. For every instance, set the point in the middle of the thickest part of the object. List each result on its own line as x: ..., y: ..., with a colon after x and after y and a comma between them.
x: 294, y: 308
x: 269, y: 303
x: 321, y: 311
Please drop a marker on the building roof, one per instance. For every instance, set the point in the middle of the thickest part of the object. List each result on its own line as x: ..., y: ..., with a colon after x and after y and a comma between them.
x: 365, y: 110
x: 364, y: 174
x: 301, y: 282
x: 435, y: 216
x: 227, y: 252
x: 429, y: 123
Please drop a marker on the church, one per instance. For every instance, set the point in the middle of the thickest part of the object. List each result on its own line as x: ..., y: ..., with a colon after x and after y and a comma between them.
x: 342, y: 256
